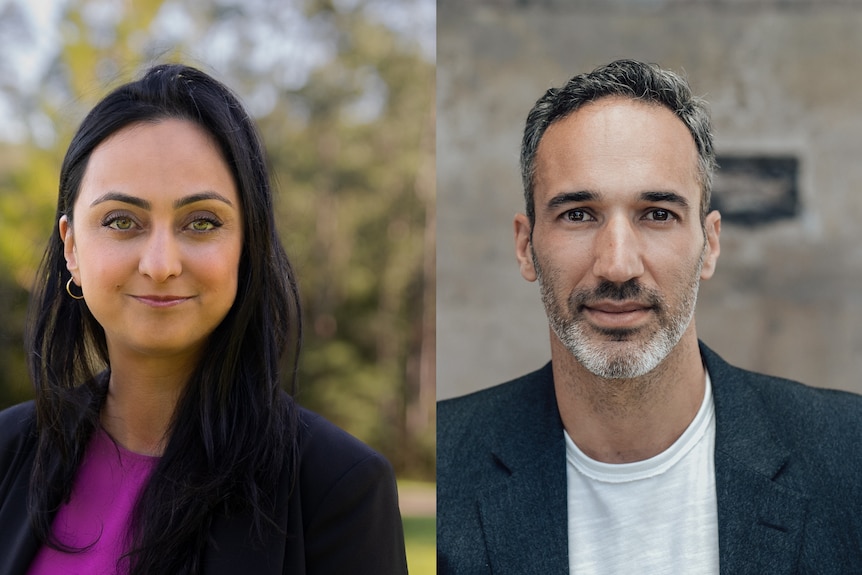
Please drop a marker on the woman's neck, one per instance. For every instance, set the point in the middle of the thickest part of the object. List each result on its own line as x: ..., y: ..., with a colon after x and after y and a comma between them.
x: 142, y: 396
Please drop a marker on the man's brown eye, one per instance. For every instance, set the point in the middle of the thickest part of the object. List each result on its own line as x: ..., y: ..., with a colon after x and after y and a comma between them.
x: 575, y: 215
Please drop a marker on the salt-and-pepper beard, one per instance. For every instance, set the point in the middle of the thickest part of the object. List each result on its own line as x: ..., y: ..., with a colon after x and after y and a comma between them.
x: 616, y: 353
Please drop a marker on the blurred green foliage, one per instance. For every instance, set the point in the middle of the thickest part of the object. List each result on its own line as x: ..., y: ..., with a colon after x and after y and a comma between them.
x: 351, y: 143
x: 420, y: 534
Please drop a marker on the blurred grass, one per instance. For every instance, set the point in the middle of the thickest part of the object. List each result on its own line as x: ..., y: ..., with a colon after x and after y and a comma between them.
x: 421, y: 540
x: 420, y: 526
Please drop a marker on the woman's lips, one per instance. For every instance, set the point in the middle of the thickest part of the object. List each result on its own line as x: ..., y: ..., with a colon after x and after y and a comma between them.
x: 161, y: 301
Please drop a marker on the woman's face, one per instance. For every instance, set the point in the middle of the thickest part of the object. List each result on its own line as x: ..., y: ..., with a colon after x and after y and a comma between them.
x: 156, y: 238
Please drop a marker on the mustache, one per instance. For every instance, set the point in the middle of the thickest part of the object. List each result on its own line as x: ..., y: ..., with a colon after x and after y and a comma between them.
x: 630, y: 290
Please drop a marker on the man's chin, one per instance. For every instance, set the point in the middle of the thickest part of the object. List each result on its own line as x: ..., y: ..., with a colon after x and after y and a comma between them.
x: 617, y: 335
x: 616, y: 353
x: 619, y: 365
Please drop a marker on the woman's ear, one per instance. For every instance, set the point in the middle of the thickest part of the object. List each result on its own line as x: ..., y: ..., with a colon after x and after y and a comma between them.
x: 69, y: 252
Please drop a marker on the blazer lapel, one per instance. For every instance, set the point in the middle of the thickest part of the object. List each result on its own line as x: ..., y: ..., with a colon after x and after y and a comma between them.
x: 760, y: 520
x: 524, y: 506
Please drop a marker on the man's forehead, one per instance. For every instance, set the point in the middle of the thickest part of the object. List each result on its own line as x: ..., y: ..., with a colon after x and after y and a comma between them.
x: 617, y: 136
x: 594, y: 114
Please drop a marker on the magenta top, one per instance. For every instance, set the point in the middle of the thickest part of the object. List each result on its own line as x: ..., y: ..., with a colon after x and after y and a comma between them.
x: 98, y: 513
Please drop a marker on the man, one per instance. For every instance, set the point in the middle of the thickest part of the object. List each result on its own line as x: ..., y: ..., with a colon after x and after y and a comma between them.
x: 637, y: 449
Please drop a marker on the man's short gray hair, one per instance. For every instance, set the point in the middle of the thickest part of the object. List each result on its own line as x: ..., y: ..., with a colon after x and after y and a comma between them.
x: 629, y: 79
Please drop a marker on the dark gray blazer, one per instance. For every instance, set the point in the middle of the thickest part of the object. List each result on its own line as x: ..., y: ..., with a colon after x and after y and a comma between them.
x: 788, y: 467
x: 341, y: 516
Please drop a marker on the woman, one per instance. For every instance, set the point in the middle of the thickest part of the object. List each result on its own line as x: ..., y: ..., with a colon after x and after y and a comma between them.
x: 160, y: 440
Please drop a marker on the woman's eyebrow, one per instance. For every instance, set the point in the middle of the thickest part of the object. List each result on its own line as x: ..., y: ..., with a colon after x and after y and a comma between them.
x: 120, y: 197
x: 202, y: 196
x: 145, y: 205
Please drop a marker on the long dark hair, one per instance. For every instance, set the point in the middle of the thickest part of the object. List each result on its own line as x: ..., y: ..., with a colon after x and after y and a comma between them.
x: 233, y: 431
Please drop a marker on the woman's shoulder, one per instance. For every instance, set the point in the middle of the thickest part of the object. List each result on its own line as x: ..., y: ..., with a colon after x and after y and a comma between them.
x: 334, y: 465
x: 324, y: 443
x: 17, y: 425
x: 349, y: 502
x: 17, y: 446
x: 338, y: 502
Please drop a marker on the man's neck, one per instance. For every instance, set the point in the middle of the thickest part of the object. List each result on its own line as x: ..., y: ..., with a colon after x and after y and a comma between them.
x: 626, y: 420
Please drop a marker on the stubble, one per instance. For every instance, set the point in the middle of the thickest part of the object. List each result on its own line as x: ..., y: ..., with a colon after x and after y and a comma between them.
x: 619, y: 353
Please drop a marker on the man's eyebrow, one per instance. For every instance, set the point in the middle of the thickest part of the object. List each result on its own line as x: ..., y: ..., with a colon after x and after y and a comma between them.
x: 669, y: 197
x: 565, y: 198
x: 145, y: 205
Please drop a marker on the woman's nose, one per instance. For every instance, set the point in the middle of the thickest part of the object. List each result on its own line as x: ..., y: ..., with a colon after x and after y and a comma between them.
x: 160, y: 259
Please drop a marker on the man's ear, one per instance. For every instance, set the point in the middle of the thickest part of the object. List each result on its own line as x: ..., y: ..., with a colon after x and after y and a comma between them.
x: 524, y: 247
x: 712, y: 226
x: 69, y: 252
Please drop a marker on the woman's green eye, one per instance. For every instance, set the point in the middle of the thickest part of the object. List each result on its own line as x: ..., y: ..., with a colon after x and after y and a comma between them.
x: 202, y: 225
x: 121, y: 224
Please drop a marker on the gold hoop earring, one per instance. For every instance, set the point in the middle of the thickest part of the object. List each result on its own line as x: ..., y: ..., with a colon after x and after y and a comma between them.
x: 69, y: 290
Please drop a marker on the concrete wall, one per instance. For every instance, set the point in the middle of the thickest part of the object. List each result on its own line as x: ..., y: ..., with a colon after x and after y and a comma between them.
x: 781, y: 78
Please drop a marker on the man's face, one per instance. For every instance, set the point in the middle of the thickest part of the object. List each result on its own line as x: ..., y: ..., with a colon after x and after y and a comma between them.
x: 618, y: 245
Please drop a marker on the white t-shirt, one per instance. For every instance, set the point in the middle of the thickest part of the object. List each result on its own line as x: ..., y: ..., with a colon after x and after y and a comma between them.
x: 654, y: 516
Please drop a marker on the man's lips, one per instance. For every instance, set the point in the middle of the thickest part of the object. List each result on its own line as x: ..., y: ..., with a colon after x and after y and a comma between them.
x: 617, y: 306
x: 161, y: 301
x: 616, y: 314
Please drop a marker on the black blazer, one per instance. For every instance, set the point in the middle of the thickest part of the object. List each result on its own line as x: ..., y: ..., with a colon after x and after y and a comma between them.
x: 341, y: 516
x: 788, y: 472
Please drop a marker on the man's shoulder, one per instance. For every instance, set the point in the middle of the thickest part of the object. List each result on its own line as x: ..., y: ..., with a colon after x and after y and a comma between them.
x: 482, y: 411
x: 486, y: 401
x: 820, y: 428
x: 807, y: 413
x: 782, y: 393
x: 788, y: 403
x: 509, y: 419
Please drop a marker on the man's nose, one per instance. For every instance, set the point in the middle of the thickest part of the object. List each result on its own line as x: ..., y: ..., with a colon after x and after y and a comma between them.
x: 618, y: 256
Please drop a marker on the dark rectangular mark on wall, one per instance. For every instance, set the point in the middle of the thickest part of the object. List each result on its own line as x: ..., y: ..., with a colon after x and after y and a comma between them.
x: 756, y: 190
